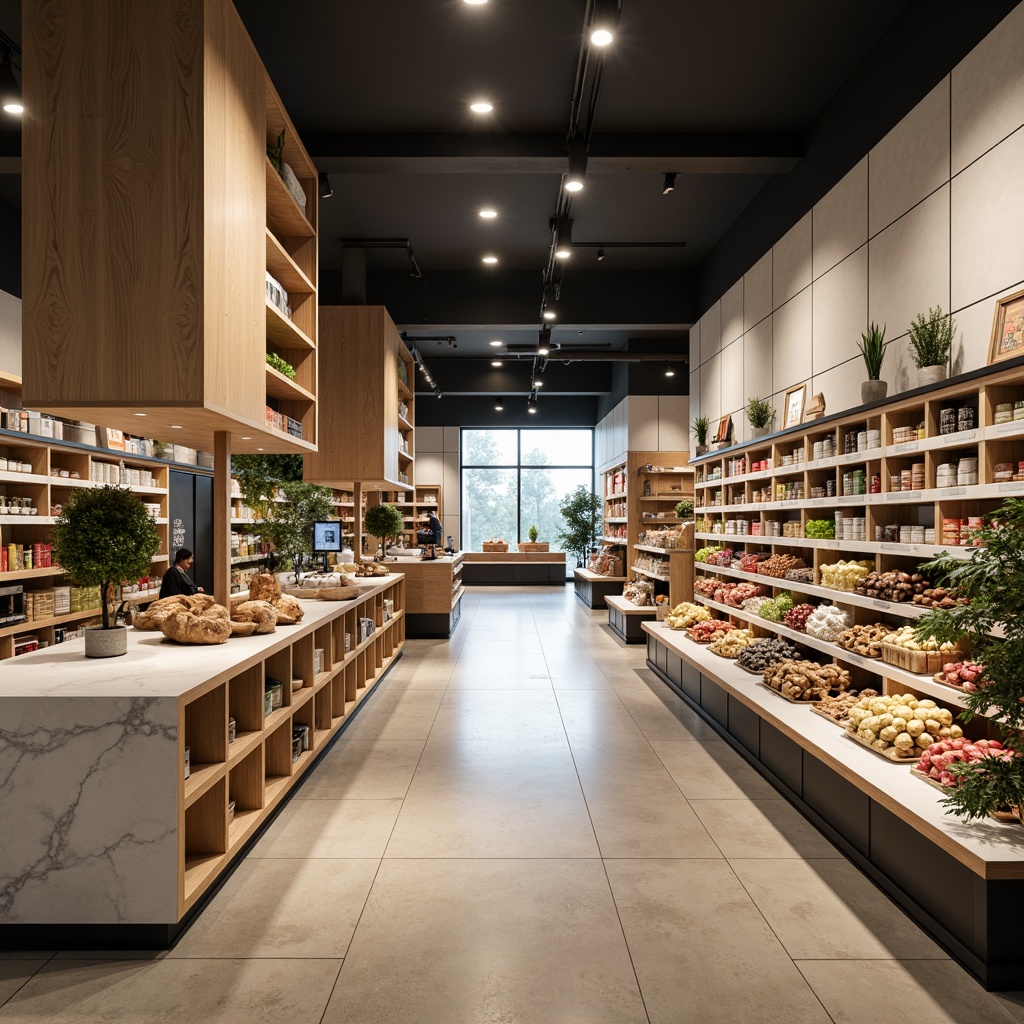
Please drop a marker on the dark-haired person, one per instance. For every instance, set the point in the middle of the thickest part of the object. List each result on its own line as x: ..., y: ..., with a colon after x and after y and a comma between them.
x: 177, y: 580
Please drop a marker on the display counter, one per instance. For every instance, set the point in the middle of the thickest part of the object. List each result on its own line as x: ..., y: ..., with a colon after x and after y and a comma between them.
x: 115, y: 843
x: 626, y: 618
x: 433, y: 596
x: 963, y: 882
x: 592, y: 588
x: 514, y: 568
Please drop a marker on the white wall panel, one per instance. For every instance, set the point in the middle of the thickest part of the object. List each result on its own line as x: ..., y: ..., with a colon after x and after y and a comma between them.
x: 429, y: 468
x: 791, y: 351
x: 711, y: 388
x: 695, y: 397
x: 642, y: 423
x: 987, y: 231
x: 694, y: 350
x: 673, y: 423
x: 791, y: 262
x: 732, y: 314
x: 711, y: 333
x: 452, y: 437
x: 911, y: 161
x: 10, y: 333
x: 452, y: 493
x: 988, y: 91
x: 840, y: 311
x: 840, y: 220
x: 757, y: 291
x: 840, y: 385
x: 429, y: 439
x: 757, y: 360
x: 733, y: 395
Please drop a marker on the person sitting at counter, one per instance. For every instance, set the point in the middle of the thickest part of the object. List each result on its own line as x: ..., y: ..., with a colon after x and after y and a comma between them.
x: 177, y: 580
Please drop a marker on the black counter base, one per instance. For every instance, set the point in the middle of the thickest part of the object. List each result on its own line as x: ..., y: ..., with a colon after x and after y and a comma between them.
x: 628, y: 628
x: 513, y: 574
x: 593, y: 592
x: 432, y: 625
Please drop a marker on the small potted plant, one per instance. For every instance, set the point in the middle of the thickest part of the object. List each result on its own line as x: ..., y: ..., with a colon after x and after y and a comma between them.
x: 684, y: 509
x: 759, y: 415
x: 383, y: 521
x: 872, y: 347
x: 700, y: 427
x: 104, y: 536
x: 931, y: 338
x: 532, y: 545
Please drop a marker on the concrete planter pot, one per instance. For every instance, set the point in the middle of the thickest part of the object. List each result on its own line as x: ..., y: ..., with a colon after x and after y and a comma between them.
x: 927, y: 375
x: 873, y: 391
x: 535, y: 545
x: 105, y: 643
x: 758, y: 432
x: 702, y: 449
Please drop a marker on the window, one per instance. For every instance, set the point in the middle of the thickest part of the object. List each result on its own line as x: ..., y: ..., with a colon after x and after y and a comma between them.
x: 515, y: 479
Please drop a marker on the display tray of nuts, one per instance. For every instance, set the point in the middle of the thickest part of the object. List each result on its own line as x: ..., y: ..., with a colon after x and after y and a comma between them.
x: 760, y: 654
x: 803, y: 682
x: 890, y: 754
x: 836, y: 708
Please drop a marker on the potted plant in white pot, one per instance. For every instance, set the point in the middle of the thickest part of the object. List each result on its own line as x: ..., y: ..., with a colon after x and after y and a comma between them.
x: 931, y: 338
x: 872, y: 347
x: 104, y: 536
x: 700, y: 427
x: 759, y: 415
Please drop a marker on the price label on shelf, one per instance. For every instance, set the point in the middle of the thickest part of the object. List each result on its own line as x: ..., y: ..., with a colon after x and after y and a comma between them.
x: 903, y: 496
x: 818, y: 501
x: 830, y: 544
x: 953, y: 492
x: 879, y: 604
x: 964, y: 435
x: 1010, y: 428
x: 1011, y: 488
x: 898, y: 547
x: 908, y: 446
x: 849, y: 499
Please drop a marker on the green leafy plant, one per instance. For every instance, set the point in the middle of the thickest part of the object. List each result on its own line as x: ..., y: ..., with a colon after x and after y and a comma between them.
x: 289, y: 528
x: 872, y: 347
x: 820, y: 528
x: 684, y: 509
x: 703, y: 554
x: 383, y: 521
x: 281, y: 365
x: 533, y: 533
x: 102, y: 537
x: 581, y: 512
x: 931, y: 338
x: 700, y: 427
x: 260, y: 477
x: 992, y: 622
x: 759, y: 412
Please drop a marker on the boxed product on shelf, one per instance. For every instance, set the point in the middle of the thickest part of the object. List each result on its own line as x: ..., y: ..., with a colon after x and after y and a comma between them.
x: 364, y: 629
x: 12, y: 605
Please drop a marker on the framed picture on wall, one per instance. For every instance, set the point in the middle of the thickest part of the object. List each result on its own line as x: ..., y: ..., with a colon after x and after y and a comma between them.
x: 724, y: 429
x: 1008, y: 328
x: 794, y: 406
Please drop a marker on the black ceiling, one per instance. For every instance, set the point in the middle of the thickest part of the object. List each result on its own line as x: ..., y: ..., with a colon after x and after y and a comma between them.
x: 758, y: 105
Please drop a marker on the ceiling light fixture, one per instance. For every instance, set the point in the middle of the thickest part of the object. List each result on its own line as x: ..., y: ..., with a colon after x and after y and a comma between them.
x: 563, y: 238
x: 176, y: 426
x: 575, y: 179
x: 490, y: 259
x: 488, y: 214
x: 474, y: 3
x: 669, y: 184
x: 497, y: 344
x: 325, y: 185
x: 600, y: 255
x: 538, y: 383
x: 531, y: 403
x: 669, y: 372
x: 246, y: 438
x: 10, y: 91
x: 604, y: 22
x: 138, y: 414
x: 544, y: 341
x: 549, y: 314
x: 481, y: 107
x: 497, y: 362
x: 499, y: 405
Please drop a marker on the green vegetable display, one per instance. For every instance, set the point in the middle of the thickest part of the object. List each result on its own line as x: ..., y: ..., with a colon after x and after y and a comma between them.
x: 775, y: 609
x: 822, y: 529
x: 702, y: 554
x: 281, y: 365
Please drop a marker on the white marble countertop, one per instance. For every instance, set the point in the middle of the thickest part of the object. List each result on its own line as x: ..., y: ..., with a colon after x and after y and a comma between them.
x: 155, y: 666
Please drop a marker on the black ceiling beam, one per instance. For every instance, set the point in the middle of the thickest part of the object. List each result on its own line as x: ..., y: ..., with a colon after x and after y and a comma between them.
x: 544, y: 153
x: 477, y: 377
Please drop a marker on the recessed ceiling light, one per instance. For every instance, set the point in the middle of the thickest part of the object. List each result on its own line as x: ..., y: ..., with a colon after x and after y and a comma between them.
x: 549, y: 314
x: 246, y: 438
x: 670, y: 372
x: 259, y: 449
x: 538, y: 383
x: 499, y: 404
x: 601, y: 37
x: 488, y: 213
x: 574, y: 185
x: 490, y: 259
x: 497, y: 362
x: 475, y: 3
x: 14, y: 108
x: 138, y: 414
x: 176, y: 426
x: 481, y: 107
x: 497, y: 344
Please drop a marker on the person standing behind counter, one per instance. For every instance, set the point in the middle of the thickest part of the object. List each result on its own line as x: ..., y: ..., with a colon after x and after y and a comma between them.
x: 177, y: 580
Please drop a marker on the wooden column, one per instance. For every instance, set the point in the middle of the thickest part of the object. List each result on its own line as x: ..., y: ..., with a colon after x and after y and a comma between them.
x: 357, y: 526
x: 222, y: 517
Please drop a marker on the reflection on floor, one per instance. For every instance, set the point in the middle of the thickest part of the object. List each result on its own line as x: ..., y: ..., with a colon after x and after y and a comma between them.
x: 524, y: 826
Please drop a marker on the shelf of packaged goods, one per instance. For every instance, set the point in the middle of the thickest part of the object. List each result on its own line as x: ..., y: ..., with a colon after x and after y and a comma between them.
x: 903, y: 608
x: 280, y: 386
x: 283, y: 333
x: 282, y: 210
x: 31, y: 574
x: 682, y: 470
x: 404, y: 424
x: 7, y: 477
x: 613, y: 540
x: 242, y: 559
x: 56, y: 620
x: 655, y: 520
x: 616, y: 519
x: 999, y: 431
x: 243, y: 522
x: 285, y: 269
x: 141, y: 597
x: 649, y: 575
x: 674, y: 496
x: 35, y: 520
x: 918, y: 683
x: 660, y: 551
x: 275, y: 434
x: 872, y: 547
x: 404, y: 392
x: 616, y: 496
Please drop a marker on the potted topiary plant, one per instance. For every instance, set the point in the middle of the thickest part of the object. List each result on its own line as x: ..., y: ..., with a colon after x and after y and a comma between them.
x: 993, y: 623
x: 759, y: 415
x: 383, y: 521
x: 872, y: 347
x: 104, y: 536
x: 533, y: 533
x: 700, y: 427
x: 684, y: 509
x: 931, y: 338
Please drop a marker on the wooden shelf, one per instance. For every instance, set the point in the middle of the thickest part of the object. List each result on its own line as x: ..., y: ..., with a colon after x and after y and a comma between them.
x: 59, y: 620
x: 31, y: 574
x: 10, y: 382
x: 283, y: 332
x: 202, y: 778
x: 404, y: 392
x: 282, y: 210
x: 404, y: 423
x: 280, y: 386
x: 285, y: 269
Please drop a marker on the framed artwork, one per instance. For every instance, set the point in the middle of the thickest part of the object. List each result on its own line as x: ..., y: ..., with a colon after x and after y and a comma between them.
x: 724, y: 429
x: 1008, y: 328
x: 794, y: 406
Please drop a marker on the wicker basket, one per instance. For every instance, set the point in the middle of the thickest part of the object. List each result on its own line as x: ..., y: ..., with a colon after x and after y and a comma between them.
x: 501, y: 546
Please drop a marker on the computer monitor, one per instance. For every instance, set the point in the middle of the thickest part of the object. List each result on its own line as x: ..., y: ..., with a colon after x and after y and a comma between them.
x: 326, y: 537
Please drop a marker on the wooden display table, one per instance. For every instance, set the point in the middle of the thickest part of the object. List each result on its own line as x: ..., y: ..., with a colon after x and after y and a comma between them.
x: 114, y: 847
x: 626, y: 619
x: 514, y: 568
x: 962, y: 882
x: 433, y: 596
x: 592, y: 588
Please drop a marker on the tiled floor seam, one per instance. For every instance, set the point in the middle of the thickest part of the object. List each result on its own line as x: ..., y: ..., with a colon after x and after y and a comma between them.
x: 4, y: 1002
x: 334, y: 987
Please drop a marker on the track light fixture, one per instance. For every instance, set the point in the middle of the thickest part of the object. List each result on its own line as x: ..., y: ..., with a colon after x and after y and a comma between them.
x: 575, y: 179
x: 669, y: 184
x: 531, y: 403
x: 550, y: 314
x: 499, y: 405
x: 600, y: 255
x: 325, y: 185
x: 544, y: 341
x: 10, y: 91
x: 563, y: 238
x: 669, y: 371
x: 604, y: 22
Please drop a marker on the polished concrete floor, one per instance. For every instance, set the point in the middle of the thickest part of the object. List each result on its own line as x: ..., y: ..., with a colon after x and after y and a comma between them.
x: 524, y: 826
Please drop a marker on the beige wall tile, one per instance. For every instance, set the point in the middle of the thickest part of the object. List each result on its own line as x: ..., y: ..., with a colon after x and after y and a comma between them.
x: 694, y: 344
x: 908, y: 265
x: 972, y: 334
x: 429, y: 466
x: 452, y: 439
x: 840, y: 305
x: 791, y: 327
x: 451, y: 526
x: 988, y: 91
x: 10, y: 333
x: 711, y: 388
x: 673, y: 423
x: 711, y: 333
x: 987, y: 224
x: 757, y: 291
x: 898, y: 368
x: 840, y: 385
x: 696, y: 408
x: 642, y: 423
x: 911, y: 161
x: 733, y: 394
x: 451, y: 498
x: 429, y: 439
x: 732, y: 314
x: 840, y: 220
x: 791, y: 262
x: 757, y: 360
